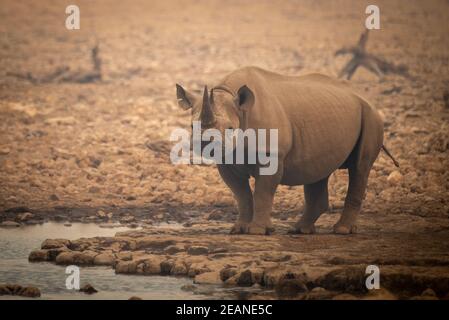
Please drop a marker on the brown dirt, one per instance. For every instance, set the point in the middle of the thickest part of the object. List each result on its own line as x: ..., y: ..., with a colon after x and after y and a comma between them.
x: 68, y: 150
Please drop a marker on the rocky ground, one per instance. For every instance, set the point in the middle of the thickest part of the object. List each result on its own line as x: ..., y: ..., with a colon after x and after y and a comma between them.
x: 98, y: 151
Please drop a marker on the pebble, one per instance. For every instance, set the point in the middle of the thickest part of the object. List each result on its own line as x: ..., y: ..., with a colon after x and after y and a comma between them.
x: 395, y: 178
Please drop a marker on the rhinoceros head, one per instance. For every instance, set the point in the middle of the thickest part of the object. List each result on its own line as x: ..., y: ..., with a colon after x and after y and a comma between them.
x: 218, y: 108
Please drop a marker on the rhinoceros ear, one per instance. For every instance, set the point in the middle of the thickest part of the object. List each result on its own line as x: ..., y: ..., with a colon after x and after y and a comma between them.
x: 185, y: 99
x: 245, y: 98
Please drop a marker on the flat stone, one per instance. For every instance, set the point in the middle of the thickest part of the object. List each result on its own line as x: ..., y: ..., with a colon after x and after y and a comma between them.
x: 126, y: 267
x: 38, y: 255
x: 88, y: 289
x: 9, y: 224
x: 76, y: 258
x: 208, y: 278
x: 197, y: 250
x: 104, y: 259
x: 55, y: 243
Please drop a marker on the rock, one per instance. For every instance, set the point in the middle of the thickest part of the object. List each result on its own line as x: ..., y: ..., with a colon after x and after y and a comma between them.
x: 227, y: 272
x: 69, y: 120
x: 349, y: 279
x: 59, y: 217
x: 318, y: 293
x: 173, y: 249
x: 208, y: 278
x: 124, y: 255
x: 17, y: 290
x: 423, y: 298
x: 25, y: 216
x: 179, y: 269
x: 101, y: 214
x: 65, y: 258
x: 395, y: 178
x: 290, y: 285
x: 197, y: 268
x: 428, y: 293
x: 38, y: 255
x: 76, y: 258
x: 276, y: 257
x: 149, y: 266
x: 55, y: 243
x: 216, y: 215
x: 53, y: 253
x: 272, y: 276
x: 245, y: 278
x: 126, y: 267
x: 152, y: 243
x: 168, y: 186
x: 344, y: 296
x: 127, y: 219
x: 53, y: 197
x: 94, y: 189
x: 88, y: 289
x: 189, y: 287
x: 30, y: 292
x: 4, y: 290
x: 109, y: 225
x: 132, y: 225
x: 68, y: 224
x: 104, y: 259
x: 135, y: 298
x: 33, y: 222
x: 317, y: 290
x: 9, y: 224
x: 167, y: 266
x: 379, y: 294
x: 197, y: 250
x: 218, y: 250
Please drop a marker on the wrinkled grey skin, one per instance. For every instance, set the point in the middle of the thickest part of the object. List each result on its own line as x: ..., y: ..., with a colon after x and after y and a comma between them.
x: 323, y: 126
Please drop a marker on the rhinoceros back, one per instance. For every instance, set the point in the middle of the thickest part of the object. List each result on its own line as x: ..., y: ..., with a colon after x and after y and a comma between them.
x: 319, y: 119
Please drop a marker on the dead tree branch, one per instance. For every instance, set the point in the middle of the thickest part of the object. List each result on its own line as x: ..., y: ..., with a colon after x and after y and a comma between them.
x: 64, y: 74
x: 360, y: 58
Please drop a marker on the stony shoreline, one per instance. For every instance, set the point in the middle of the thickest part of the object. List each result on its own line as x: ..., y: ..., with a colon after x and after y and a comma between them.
x: 321, y: 266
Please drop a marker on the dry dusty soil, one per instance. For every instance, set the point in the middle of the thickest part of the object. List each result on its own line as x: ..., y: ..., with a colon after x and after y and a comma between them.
x: 98, y: 151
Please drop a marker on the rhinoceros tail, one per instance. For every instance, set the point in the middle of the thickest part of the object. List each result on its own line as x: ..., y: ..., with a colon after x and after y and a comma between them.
x: 391, y: 157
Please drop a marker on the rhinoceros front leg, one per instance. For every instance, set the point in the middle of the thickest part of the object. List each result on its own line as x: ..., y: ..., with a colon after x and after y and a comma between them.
x: 264, y: 190
x: 239, y: 186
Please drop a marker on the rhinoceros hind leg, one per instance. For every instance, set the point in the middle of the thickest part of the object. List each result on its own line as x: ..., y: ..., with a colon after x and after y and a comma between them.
x: 353, y: 202
x: 360, y: 163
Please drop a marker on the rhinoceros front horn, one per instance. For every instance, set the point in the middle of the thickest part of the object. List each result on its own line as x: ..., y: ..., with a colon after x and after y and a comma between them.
x: 207, y: 115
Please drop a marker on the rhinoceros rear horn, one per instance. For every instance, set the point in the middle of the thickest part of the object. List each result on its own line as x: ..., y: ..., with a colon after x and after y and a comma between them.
x: 207, y: 115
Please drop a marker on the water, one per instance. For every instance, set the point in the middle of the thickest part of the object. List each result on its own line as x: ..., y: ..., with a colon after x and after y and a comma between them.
x: 17, y: 243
